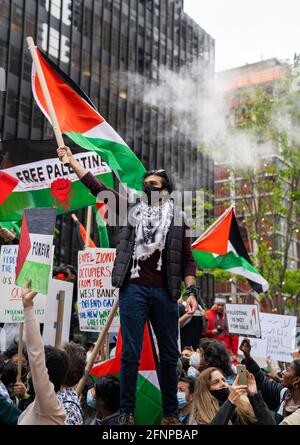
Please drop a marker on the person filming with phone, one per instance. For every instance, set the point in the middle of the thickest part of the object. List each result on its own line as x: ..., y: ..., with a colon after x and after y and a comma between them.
x: 218, y: 327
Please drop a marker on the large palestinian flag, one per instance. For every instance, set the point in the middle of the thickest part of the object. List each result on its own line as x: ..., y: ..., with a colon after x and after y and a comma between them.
x: 81, y: 122
x: 35, y: 249
x: 32, y: 176
x: 222, y: 247
x: 148, y: 409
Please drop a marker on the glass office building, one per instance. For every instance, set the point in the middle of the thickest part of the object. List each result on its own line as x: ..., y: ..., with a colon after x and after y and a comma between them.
x: 97, y: 43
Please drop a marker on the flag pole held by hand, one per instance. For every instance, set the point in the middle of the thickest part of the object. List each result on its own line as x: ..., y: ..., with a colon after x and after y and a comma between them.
x: 44, y: 87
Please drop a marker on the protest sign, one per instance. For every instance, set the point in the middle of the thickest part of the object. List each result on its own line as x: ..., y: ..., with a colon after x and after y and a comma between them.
x: 96, y: 295
x: 278, y: 333
x: 11, y: 306
x: 49, y: 330
x: 35, y: 248
x: 243, y: 319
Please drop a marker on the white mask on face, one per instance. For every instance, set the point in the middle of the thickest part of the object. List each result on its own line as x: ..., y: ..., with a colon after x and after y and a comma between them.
x: 195, y: 360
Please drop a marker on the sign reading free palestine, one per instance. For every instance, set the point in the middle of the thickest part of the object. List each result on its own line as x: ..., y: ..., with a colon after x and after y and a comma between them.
x: 35, y: 248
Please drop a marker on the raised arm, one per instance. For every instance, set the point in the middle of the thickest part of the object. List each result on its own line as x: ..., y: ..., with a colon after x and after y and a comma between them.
x: 45, y: 395
x: 112, y: 199
x: 271, y: 390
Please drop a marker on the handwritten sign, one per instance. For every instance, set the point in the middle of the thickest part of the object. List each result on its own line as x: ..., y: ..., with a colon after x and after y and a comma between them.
x: 11, y: 306
x: 243, y: 319
x: 96, y: 295
x: 278, y: 333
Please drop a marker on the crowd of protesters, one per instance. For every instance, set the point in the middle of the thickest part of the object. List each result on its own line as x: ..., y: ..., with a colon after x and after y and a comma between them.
x: 208, y: 390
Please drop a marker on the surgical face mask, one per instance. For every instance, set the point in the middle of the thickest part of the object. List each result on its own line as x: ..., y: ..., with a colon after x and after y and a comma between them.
x: 90, y: 400
x: 192, y: 372
x: 195, y: 360
x: 182, y: 402
x: 220, y: 394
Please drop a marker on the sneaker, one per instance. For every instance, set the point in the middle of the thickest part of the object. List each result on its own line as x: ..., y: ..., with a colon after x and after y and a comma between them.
x: 172, y: 420
x: 126, y: 419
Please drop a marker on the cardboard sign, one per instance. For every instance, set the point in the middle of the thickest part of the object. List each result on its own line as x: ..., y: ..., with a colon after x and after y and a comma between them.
x: 96, y: 295
x: 35, y: 248
x: 11, y: 306
x: 278, y: 334
x: 243, y: 319
x: 49, y: 330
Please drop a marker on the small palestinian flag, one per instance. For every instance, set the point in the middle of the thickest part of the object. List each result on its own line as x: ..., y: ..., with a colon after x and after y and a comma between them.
x: 148, y: 410
x: 7, y: 185
x: 222, y: 247
x: 34, y: 177
x: 81, y: 234
x: 35, y: 249
x: 100, y: 212
x: 81, y: 122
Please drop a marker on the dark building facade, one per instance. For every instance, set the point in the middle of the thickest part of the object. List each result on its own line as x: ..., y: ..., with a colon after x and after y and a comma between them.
x: 95, y: 42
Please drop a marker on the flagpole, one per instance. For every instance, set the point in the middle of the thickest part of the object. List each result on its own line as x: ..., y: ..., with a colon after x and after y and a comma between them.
x: 98, y: 346
x: 88, y: 227
x: 20, y: 352
x: 44, y: 87
x: 209, y: 229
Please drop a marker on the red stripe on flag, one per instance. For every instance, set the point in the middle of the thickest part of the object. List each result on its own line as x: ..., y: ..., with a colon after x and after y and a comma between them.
x: 7, y: 185
x: 216, y: 241
x: 101, y: 207
x: 24, y: 246
x: 72, y: 111
x: 113, y: 366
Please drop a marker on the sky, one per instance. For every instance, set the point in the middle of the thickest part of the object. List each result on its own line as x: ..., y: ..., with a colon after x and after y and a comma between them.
x: 248, y: 31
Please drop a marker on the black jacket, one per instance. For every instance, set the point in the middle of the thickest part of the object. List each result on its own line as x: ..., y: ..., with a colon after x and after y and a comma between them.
x: 174, y: 257
x: 227, y: 412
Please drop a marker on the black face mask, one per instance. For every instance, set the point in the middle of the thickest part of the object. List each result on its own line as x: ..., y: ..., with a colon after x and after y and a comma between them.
x: 147, y: 189
x: 220, y: 394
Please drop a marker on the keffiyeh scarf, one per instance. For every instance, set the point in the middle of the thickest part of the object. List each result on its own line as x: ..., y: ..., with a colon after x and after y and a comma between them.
x: 151, y: 229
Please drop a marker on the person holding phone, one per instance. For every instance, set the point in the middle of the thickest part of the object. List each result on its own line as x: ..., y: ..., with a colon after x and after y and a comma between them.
x: 284, y: 397
x: 217, y: 403
x: 218, y: 327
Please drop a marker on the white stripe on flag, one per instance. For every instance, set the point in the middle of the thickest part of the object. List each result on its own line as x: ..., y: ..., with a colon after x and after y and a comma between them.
x: 257, y: 278
x: 105, y: 131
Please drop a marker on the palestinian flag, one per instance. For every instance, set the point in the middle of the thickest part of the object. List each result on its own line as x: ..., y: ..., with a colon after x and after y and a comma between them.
x: 222, y: 247
x: 148, y: 409
x: 34, y: 177
x: 81, y: 122
x: 7, y: 185
x: 100, y: 212
x: 35, y: 249
x: 81, y: 234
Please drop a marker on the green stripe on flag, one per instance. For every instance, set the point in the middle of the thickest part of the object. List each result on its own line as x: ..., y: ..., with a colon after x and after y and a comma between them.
x: 206, y: 260
x: 117, y: 156
x: 36, y: 272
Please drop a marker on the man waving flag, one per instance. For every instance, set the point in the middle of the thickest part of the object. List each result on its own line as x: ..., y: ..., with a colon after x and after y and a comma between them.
x: 81, y: 122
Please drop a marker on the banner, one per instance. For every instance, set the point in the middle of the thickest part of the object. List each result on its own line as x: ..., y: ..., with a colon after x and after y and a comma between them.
x: 278, y: 334
x: 243, y: 319
x: 11, y: 306
x: 35, y: 249
x: 49, y: 330
x: 96, y: 295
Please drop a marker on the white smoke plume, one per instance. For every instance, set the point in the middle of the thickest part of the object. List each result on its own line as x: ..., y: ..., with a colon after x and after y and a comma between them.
x: 199, y: 112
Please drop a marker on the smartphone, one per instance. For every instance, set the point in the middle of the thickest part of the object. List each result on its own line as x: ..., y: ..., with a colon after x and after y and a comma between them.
x: 241, y: 371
